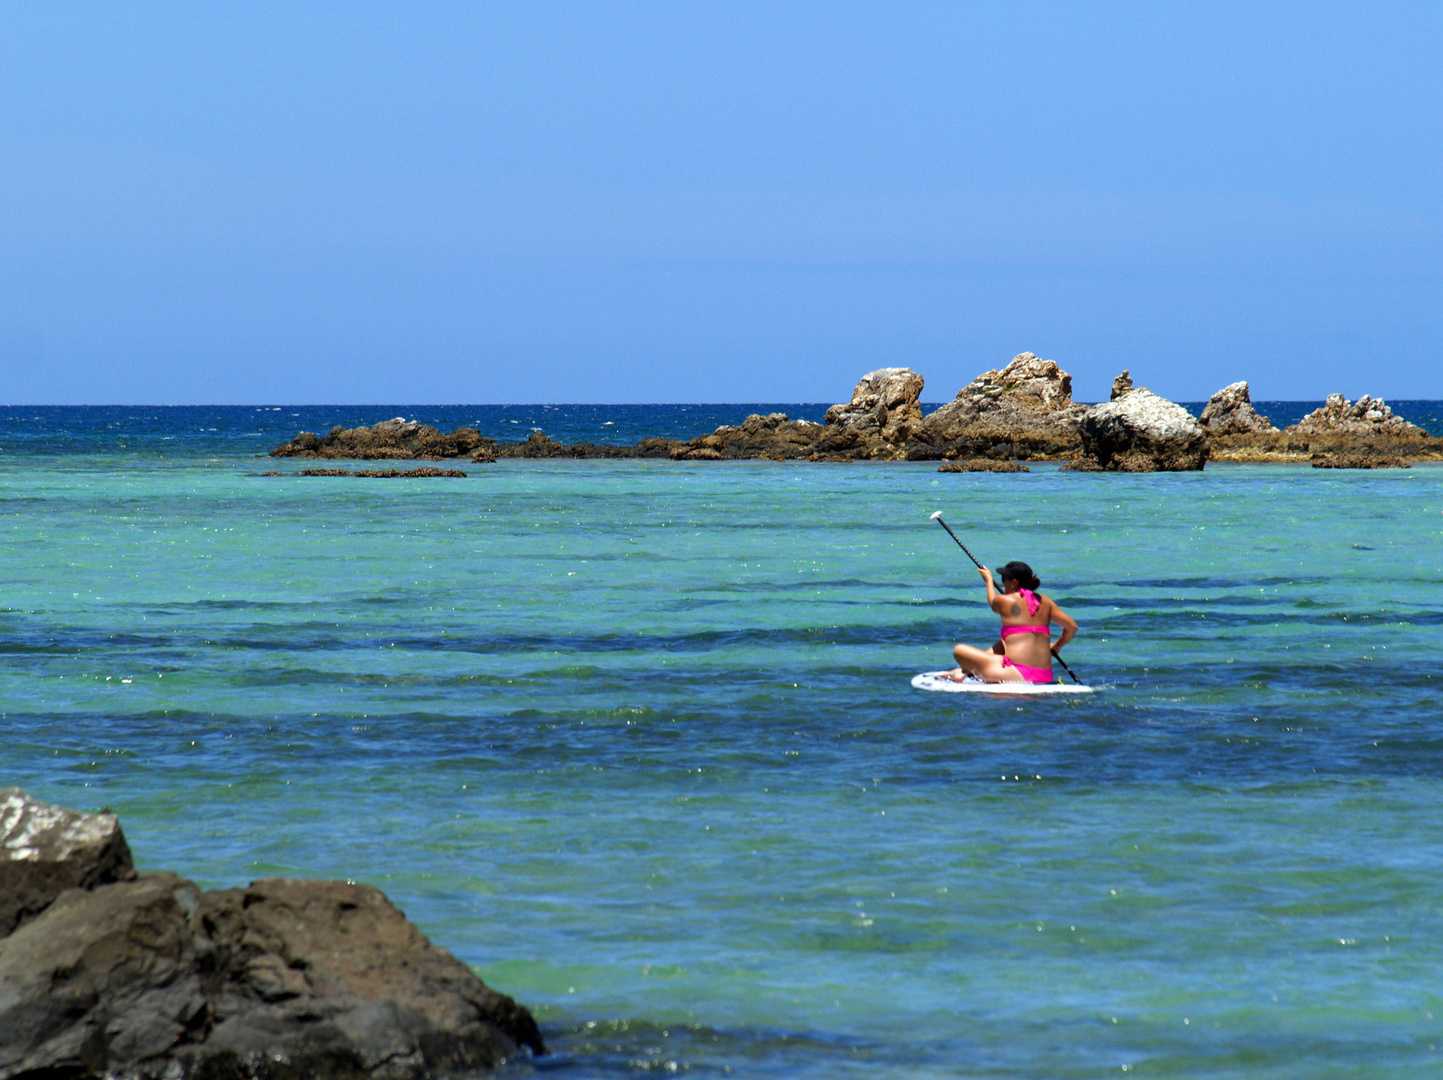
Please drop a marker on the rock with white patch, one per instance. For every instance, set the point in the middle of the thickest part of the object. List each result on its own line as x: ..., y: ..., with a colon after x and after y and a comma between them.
x: 47, y: 849
x: 1141, y: 432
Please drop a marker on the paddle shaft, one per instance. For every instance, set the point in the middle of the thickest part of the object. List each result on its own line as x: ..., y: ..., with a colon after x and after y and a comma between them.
x: 960, y: 544
x: 979, y: 566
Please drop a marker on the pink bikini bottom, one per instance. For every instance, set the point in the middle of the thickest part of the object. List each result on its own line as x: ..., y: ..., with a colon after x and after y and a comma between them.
x: 1031, y: 674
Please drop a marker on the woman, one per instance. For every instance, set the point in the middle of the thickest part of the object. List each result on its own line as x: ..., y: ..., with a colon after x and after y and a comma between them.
x: 1024, y: 653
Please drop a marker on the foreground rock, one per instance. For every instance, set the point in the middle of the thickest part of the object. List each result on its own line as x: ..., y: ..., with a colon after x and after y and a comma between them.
x: 1140, y: 432
x: 283, y: 979
x: 1024, y: 410
x: 46, y: 849
x: 1230, y: 412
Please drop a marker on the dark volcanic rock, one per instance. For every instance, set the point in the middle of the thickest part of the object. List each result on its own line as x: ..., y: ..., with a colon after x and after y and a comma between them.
x: 1230, y: 412
x: 1140, y: 432
x: 46, y: 849
x: 982, y: 465
x: 283, y: 980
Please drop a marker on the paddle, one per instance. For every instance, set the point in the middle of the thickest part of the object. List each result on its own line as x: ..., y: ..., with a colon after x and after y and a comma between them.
x: 937, y: 517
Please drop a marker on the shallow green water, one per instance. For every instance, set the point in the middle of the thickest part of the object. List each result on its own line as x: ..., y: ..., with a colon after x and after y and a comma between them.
x: 636, y: 741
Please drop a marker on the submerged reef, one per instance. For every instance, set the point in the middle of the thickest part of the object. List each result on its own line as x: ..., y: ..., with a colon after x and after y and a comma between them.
x: 1021, y: 412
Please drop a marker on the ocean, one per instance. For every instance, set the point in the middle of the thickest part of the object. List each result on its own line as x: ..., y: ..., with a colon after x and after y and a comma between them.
x: 636, y: 740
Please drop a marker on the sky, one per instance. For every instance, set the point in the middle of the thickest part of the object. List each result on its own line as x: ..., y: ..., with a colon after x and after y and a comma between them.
x: 722, y: 202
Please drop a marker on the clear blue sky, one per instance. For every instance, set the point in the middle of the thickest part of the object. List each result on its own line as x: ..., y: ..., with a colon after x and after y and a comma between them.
x: 618, y: 202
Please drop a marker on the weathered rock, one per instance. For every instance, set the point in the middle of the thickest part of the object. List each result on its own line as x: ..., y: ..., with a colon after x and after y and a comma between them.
x: 1140, y: 432
x: 1230, y: 412
x: 398, y: 438
x: 47, y: 849
x: 1359, y: 460
x: 884, y: 412
x: 283, y: 980
x: 296, y: 956
x: 772, y: 437
x: 982, y: 465
x: 1366, y: 416
x: 1027, y: 405
x: 1121, y: 385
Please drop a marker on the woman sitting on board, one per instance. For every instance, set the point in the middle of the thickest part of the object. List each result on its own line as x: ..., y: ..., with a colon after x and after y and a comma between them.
x: 1024, y: 652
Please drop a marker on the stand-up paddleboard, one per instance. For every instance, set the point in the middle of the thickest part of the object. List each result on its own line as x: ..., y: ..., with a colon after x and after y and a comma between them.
x: 938, y: 680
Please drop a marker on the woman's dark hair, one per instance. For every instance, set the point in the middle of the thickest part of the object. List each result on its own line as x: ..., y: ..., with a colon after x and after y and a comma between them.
x: 1021, y: 573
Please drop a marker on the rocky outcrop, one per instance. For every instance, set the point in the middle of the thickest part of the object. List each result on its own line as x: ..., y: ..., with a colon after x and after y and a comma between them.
x: 282, y: 980
x: 46, y: 849
x: 424, y: 471
x: 1140, y: 432
x: 1365, y: 430
x: 982, y: 465
x: 884, y: 412
x: 772, y: 437
x: 1359, y: 460
x: 1366, y: 416
x: 1024, y: 410
x: 1230, y: 412
x: 398, y: 438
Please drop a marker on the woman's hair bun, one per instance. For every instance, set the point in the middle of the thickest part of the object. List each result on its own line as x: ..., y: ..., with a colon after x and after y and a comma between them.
x: 1021, y: 573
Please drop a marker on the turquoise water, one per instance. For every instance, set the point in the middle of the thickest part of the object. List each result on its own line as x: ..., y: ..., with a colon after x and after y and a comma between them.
x: 636, y: 741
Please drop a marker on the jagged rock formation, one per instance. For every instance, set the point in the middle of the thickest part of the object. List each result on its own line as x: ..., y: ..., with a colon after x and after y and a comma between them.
x: 1024, y: 410
x: 1121, y: 385
x: 1140, y: 432
x: 1366, y: 416
x: 150, y: 978
x: 772, y: 437
x: 884, y: 412
x: 1230, y: 412
x: 1358, y: 432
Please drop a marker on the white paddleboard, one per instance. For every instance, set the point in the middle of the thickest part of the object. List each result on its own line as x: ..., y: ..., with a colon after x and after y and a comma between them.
x: 938, y: 680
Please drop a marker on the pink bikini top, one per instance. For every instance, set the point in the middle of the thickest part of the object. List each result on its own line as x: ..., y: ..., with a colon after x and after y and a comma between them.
x: 1032, y: 605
